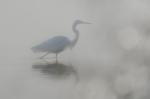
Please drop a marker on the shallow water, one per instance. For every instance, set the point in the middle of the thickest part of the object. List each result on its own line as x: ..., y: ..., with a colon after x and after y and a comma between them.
x: 37, y: 81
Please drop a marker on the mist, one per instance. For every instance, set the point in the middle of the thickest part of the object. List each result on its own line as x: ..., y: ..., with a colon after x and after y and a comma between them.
x: 111, y: 58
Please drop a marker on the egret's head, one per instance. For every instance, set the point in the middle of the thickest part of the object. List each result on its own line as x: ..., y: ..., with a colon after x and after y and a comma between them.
x: 81, y: 22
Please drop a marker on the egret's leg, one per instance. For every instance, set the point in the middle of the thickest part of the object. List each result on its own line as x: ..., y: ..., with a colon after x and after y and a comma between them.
x: 44, y: 55
x: 56, y: 58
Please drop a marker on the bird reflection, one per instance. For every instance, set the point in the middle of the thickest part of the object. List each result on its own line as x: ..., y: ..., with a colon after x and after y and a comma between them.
x: 56, y: 70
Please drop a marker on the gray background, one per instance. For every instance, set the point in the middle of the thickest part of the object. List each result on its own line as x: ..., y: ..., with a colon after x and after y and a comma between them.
x: 111, y: 57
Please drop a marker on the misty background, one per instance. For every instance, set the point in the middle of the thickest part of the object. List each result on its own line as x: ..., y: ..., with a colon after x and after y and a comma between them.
x: 111, y: 57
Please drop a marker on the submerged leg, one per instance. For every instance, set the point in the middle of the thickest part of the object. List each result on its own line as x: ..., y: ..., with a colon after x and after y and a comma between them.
x: 56, y: 58
x: 44, y: 55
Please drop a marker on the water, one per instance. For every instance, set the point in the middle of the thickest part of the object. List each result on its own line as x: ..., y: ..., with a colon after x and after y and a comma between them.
x: 37, y: 81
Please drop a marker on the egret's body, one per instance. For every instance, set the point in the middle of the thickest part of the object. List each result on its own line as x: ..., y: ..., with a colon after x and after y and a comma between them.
x: 62, y: 43
x: 59, y: 43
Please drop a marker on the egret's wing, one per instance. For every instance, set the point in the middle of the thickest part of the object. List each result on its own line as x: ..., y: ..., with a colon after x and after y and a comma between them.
x: 53, y: 44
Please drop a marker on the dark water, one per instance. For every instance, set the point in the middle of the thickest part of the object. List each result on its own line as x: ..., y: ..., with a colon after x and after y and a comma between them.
x: 55, y: 70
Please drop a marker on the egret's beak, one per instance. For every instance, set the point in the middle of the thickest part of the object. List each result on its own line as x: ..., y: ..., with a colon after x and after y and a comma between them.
x: 86, y: 23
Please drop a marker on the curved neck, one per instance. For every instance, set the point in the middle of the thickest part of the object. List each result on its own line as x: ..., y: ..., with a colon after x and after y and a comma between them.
x: 74, y: 41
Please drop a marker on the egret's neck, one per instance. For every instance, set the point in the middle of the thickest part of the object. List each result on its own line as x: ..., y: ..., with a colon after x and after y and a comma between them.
x: 74, y: 28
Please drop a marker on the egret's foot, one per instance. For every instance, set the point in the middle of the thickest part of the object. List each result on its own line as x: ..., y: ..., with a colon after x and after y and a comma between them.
x: 41, y: 58
x: 47, y: 58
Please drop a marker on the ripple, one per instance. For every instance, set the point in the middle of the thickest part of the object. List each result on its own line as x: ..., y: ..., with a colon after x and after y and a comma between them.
x: 56, y: 70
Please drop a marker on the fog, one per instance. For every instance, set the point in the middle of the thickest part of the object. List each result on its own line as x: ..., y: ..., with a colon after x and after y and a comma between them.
x: 110, y: 60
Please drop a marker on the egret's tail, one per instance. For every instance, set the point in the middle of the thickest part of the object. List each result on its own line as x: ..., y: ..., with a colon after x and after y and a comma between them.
x: 34, y: 49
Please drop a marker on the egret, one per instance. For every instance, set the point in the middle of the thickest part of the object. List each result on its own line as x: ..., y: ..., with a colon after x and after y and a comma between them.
x: 58, y: 44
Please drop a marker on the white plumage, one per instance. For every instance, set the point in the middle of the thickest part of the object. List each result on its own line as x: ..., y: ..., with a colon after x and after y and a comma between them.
x: 59, y: 43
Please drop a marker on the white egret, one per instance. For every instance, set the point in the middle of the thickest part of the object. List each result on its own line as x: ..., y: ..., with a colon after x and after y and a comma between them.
x: 59, y: 43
